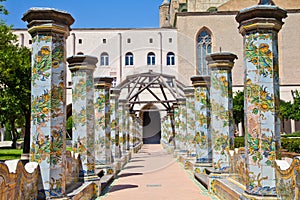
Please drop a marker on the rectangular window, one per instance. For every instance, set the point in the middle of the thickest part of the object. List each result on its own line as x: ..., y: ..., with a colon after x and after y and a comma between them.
x: 170, y: 40
x: 104, y: 41
x: 30, y: 41
x: 80, y: 41
x: 150, y: 40
x: 128, y: 40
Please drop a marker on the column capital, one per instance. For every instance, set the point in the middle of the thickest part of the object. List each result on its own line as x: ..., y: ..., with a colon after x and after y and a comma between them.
x: 82, y: 62
x: 103, y: 82
x: 181, y: 101
x: 115, y: 93
x: 123, y: 101
x: 48, y: 20
x: 260, y: 18
x: 200, y: 81
x: 189, y: 91
x: 222, y: 60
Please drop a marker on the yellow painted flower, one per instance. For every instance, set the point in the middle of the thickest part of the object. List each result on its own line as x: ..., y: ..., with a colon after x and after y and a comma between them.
x: 225, y: 83
x: 264, y: 48
x: 55, y: 64
x: 202, y: 94
x: 38, y: 58
x: 61, y: 85
x: 222, y: 78
x: 254, y: 60
x: 45, y: 50
x: 264, y: 107
x: 45, y: 110
x: 263, y: 94
x: 248, y: 82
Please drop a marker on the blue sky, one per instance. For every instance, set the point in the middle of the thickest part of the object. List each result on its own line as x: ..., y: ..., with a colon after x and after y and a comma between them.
x: 93, y: 13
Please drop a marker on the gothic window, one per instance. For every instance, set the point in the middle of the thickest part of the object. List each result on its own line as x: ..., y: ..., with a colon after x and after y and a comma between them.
x: 151, y: 58
x: 129, y: 58
x: 104, y: 59
x: 203, y: 49
x: 170, y: 58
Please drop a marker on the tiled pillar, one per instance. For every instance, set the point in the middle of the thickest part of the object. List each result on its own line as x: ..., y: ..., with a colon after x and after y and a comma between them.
x: 114, y: 123
x: 49, y: 29
x: 127, y: 119
x: 131, y: 130
x: 259, y: 26
x: 102, y: 118
x: 83, y: 133
x: 221, y: 127
x: 202, y: 119
x: 180, y: 121
x: 190, y: 119
x: 122, y: 127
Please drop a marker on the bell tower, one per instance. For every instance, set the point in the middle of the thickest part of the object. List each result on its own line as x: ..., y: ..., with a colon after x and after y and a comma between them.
x: 164, y: 16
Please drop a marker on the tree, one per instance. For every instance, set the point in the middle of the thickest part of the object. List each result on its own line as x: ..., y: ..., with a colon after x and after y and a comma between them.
x: 238, y: 108
x: 15, y: 73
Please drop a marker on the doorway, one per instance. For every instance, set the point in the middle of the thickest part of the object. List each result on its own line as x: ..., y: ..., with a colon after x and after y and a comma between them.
x: 151, y: 127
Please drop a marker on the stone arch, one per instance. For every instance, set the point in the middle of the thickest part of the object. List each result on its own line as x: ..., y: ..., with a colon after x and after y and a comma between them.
x: 151, y: 123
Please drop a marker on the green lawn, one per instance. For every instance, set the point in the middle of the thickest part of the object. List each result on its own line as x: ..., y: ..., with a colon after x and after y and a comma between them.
x: 10, y: 154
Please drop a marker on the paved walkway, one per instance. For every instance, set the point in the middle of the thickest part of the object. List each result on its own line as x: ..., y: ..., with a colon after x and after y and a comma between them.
x: 154, y: 174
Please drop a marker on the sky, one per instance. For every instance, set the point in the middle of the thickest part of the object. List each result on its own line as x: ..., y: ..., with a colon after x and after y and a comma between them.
x: 92, y: 13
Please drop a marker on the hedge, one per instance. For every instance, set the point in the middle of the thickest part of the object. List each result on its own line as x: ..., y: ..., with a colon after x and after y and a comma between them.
x: 290, y: 144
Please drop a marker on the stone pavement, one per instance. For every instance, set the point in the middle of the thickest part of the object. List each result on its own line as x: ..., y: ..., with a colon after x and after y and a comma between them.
x: 154, y: 174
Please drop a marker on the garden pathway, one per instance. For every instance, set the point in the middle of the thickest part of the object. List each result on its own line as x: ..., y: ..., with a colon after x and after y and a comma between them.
x: 154, y: 174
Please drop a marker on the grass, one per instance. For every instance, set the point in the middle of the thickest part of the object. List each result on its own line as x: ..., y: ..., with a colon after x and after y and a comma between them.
x: 10, y: 154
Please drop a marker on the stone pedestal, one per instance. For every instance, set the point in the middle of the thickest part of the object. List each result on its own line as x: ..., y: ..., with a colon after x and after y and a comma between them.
x: 259, y: 26
x: 221, y: 127
x: 202, y: 122
x: 49, y: 29
x: 83, y: 133
x: 102, y: 122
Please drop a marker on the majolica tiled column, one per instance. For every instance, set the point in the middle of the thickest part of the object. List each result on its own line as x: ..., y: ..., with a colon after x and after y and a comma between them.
x: 49, y: 29
x: 122, y: 127
x: 181, y: 123
x: 190, y: 119
x: 259, y: 26
x: 83, y: 133
x: 127, y: 124
x: 221, y: 127
x: 114, y: 121
x: 131, y: 130
x: 102, y: 118
x: 202, y: 119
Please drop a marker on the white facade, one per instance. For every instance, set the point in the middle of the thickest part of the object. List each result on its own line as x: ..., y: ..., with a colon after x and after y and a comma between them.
x: 114, y: 44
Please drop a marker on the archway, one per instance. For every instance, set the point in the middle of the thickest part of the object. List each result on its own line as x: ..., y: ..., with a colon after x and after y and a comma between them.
x: 151, y: 124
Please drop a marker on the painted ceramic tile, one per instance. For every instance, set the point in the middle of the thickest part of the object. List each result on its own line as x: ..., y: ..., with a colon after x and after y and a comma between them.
x: 202, y: 119
x: 261, y: 96
x: 48, y: 100
x: 190, y: 119
x: 83, y: 118
x: 221, y: 118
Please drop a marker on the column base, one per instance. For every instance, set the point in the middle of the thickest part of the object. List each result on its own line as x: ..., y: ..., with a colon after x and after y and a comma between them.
x: 200, y: 167
x: 247, y: 196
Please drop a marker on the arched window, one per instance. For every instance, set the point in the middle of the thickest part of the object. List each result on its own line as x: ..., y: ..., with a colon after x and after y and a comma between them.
x: 151, y: 58
x: 203, y: 49
x: 170, y: 58
x: 104, y: 59
x: 129, y: 58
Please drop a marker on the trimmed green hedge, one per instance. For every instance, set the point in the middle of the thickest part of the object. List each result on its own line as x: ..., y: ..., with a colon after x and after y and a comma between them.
x: 295, y: 134
x: 290, y: 144
x: 239, y: 142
